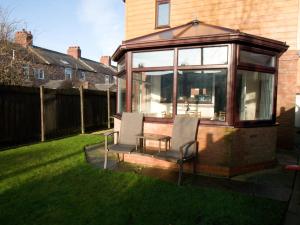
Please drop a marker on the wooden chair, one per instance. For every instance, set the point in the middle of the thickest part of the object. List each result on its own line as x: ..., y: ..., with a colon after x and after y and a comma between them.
x: 131, y: 126
x: 184, y: 146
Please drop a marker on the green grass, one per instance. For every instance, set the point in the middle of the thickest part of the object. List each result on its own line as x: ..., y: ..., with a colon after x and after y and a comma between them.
x: 51, y: 183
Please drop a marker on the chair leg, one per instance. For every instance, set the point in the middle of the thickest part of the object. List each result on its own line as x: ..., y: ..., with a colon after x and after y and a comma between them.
x: 105, y: 159
x: 194, y: 166
x: 118, y: 156
x: 180, y: 173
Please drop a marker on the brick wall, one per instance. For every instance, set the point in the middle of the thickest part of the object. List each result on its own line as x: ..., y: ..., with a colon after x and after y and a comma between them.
x: 224, y: 151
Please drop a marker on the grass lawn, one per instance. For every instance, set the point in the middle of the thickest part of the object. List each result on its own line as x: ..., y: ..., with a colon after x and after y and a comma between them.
x: 51, y: 183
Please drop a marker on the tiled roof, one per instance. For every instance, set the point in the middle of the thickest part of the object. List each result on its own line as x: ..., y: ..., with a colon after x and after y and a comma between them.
x: 99, y: 67
x: 60, y: 59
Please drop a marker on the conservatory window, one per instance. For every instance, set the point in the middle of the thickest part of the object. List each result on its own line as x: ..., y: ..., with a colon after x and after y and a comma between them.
x: 202, y: 93
x: 153, y: 59
x: 121, y: 107
x: 255, y: 95
x: 152, y: 93
x: 257, y: 59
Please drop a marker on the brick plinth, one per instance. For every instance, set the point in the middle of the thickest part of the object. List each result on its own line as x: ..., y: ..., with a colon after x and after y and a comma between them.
x: 223, y: 151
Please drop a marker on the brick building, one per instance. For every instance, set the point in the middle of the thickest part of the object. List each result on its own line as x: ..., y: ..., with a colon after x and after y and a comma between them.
x: 234, y: 64
x: 54, y: 69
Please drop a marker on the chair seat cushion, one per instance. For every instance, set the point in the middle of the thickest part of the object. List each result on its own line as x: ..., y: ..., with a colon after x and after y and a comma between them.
x: 121, y: 148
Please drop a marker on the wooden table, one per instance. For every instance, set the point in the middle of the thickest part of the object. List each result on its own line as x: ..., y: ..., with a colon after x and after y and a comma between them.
x: 155, y: 137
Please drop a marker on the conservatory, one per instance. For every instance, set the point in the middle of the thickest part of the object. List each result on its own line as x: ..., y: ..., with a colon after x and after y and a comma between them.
x: 226, y: 78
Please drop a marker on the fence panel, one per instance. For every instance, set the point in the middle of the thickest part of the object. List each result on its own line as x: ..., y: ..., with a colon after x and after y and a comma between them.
x: 19, y: 115
x: 62, y: 112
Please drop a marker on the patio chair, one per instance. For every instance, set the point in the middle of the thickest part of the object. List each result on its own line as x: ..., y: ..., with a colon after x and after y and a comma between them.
x: 131, y: 126
x: 184, y: 144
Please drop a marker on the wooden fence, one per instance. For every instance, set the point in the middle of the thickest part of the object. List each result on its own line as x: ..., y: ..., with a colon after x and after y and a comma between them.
x: 30, y: 114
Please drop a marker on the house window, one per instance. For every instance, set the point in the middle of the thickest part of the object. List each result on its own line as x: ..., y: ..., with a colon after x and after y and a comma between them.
x: 68, y: 73
x: 106, y: 79
x: 202, y: 93
x: 26, y: 71
x: 162, y: 13
x: 152, y: 93
x: 39, y: 73
x: 255, y: 92
x: 82, y: 75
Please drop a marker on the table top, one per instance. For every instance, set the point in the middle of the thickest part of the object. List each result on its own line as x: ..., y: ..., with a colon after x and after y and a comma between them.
x: 153, y: 136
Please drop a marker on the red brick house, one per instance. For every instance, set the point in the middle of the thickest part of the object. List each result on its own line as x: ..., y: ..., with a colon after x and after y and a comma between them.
x: 55, y: 69
x: 234, y: 64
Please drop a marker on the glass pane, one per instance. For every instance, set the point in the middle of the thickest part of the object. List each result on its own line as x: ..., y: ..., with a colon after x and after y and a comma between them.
x: 163, y: 14
x: 189, y: 57
x: 152, y: 93
x: 255, y: 95
x: 215, y: 55
x: 121, y: 95
x: 121, y: 65
x: 257, y: 59
x: 153, y: 59
x: 202, y: 93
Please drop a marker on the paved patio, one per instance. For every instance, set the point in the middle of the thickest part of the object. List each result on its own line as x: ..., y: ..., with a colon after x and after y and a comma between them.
x: 274, y: 183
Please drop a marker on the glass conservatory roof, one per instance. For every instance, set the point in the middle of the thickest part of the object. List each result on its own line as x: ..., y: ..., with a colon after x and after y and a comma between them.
x: 196, y: 32
x: 191, y: 29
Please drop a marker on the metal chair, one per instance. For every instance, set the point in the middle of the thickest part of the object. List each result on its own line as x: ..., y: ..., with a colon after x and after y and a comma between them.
x: 184, y: 146
x: 131, y: 126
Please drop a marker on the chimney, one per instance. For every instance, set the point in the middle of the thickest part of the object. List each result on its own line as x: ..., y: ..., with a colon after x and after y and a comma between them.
x: 74, y: 51
x: 106, y: 60
x: 23, y: 38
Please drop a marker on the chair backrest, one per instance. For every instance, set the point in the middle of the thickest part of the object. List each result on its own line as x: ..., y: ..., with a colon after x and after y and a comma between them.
x: 184, y: 130
x: 131, y: 126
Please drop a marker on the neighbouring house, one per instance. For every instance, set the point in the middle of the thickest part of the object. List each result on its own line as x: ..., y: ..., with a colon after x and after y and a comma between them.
x: 234, y: 64
x: 56, y: 70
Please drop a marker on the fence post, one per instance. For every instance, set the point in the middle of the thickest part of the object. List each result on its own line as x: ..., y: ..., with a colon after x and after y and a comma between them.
x: 108, y: 108
x: 42, y: 113
x: 81, y: 109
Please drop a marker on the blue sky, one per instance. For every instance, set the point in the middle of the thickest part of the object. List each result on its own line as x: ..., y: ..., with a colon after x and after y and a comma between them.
x: 97, y: 26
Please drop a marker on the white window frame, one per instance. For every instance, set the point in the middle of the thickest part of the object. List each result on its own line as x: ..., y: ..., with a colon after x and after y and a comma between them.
x: 68, y: 73
x: 82, y: 75
x: 107, y: 79
x: 26, y: 71
x: 39, y: 74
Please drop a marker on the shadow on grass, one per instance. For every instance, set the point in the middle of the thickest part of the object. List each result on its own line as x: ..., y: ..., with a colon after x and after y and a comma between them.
x: 84, y: 195
x: 39, y: 165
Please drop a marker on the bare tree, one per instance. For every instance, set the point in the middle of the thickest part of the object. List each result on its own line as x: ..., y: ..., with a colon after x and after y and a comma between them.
x: 13, y: 57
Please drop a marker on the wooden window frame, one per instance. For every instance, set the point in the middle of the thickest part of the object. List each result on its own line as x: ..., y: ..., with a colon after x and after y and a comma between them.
x: 231, y: 62
x: 234, y: 64
x: 157, y: 3
x: 256, y: 68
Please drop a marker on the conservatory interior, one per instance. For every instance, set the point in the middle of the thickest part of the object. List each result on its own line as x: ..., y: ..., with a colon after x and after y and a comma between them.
x: 226, y: 78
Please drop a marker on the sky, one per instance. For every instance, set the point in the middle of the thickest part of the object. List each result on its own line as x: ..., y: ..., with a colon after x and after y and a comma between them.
x: 97, y: 26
